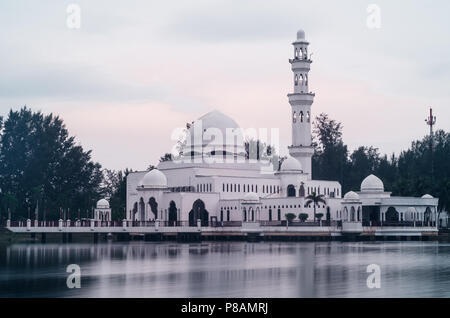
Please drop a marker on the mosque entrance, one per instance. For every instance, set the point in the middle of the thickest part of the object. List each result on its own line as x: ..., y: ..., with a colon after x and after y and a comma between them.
x: 371, y: 213
x: 198, y: 212
x: 427, y: 216
x: 172, y: 214
x: 392, y: 215
x: 153, y: 207
x: 141, y: 210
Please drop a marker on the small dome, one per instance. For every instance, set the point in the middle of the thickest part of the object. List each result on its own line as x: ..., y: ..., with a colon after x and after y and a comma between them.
x: 251, y: 196
x: 300, y: 35
x: 102, y: 204
x: 351, y: 196
x: 291, y: 164
x: 154, y: 179
x: 372, y: 183
x: 427, y: 196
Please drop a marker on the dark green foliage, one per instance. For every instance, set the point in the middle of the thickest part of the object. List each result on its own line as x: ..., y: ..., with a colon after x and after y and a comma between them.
x: 290, y: 217
x: 41, y: 165
x: 409, y: 174
x: 303, y: 217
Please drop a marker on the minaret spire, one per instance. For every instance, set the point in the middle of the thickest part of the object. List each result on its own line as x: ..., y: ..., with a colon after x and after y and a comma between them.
x: 301, y: 100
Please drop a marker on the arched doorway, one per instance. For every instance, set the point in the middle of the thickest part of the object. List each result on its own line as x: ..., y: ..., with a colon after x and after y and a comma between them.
x: 198, y: 212
x: 244, y: 215
x: 301, y: 192
x: 328, y: 214
x: 141, y: 210
x: 291, y: 191
x: 427, y: 216
x: 153, y: 206
x: 391, y: 215
x: 352, y: 214
x: 172, y: 214
x: 134, y: 211
x: 270, y: 214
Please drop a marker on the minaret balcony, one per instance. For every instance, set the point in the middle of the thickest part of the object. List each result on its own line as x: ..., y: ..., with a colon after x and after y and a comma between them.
x: 301, y: 98
x: 300, y: 64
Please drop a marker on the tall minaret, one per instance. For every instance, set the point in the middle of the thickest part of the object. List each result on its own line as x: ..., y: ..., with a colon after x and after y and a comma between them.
x: 301, y: 101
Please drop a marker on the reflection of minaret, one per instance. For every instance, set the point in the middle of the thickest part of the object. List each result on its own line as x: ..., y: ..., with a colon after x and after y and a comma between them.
x: 301, y: 101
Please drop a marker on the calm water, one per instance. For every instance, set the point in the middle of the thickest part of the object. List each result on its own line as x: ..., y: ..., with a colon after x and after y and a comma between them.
x: 231, y: 269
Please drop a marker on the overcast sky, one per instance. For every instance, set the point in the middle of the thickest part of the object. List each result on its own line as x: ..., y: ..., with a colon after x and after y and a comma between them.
x: 137, y: 69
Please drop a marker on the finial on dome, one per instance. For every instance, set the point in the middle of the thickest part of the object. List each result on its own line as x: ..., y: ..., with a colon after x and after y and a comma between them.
x: 300, y: 35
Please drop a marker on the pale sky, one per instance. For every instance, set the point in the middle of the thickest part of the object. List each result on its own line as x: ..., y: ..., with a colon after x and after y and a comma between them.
x: 135, y: 70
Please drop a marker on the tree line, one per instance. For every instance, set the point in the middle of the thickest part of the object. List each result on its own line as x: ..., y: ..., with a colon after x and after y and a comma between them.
x: 44, y: 173
x: 408, y: 174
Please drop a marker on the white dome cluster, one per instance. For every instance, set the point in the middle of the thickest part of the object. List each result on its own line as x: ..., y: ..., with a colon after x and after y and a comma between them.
x: 154, y: 179
x: 291, y: 164
x: 372, y: 184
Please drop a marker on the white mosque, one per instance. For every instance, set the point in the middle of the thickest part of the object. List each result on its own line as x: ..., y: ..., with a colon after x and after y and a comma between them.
x: 214, y: 183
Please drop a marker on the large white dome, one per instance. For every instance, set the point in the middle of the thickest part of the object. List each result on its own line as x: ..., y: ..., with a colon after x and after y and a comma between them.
x: 154, y: 179
x: 351, y: 196
x: 102, y: 204
x: 204, y: 132
x: 291, y: 164
x: 372, y: 183
x: 251, y: 196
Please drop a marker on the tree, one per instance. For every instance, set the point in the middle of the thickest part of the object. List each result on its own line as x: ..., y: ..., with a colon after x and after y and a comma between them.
x: 315, y: 200
x: 303, y: 217
x: 166, y: 157
x: 41, y: 165
x: 115, y: 188
x: 330, y: 154
x: 319, y: 216
x: 290, y: 217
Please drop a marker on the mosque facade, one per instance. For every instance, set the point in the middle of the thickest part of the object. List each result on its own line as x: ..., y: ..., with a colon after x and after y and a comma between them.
x: 214, y: 183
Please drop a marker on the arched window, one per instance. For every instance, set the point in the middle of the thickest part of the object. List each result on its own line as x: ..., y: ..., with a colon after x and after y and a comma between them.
x: 301, y: 192
x: 308, y: 116
x: 300, y: 53
x: 306, y: 79
x: 296, y: 53
x: 296, y: 79
x: 294, y: 117
x: 352, y: 214
x: 305, y: 56
x: 301, y: 80
x: 301, y: 116
x: 291, y: 191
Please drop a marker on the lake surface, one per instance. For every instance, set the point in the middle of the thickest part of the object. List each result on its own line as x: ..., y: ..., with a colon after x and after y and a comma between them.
x: 228, y: 269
